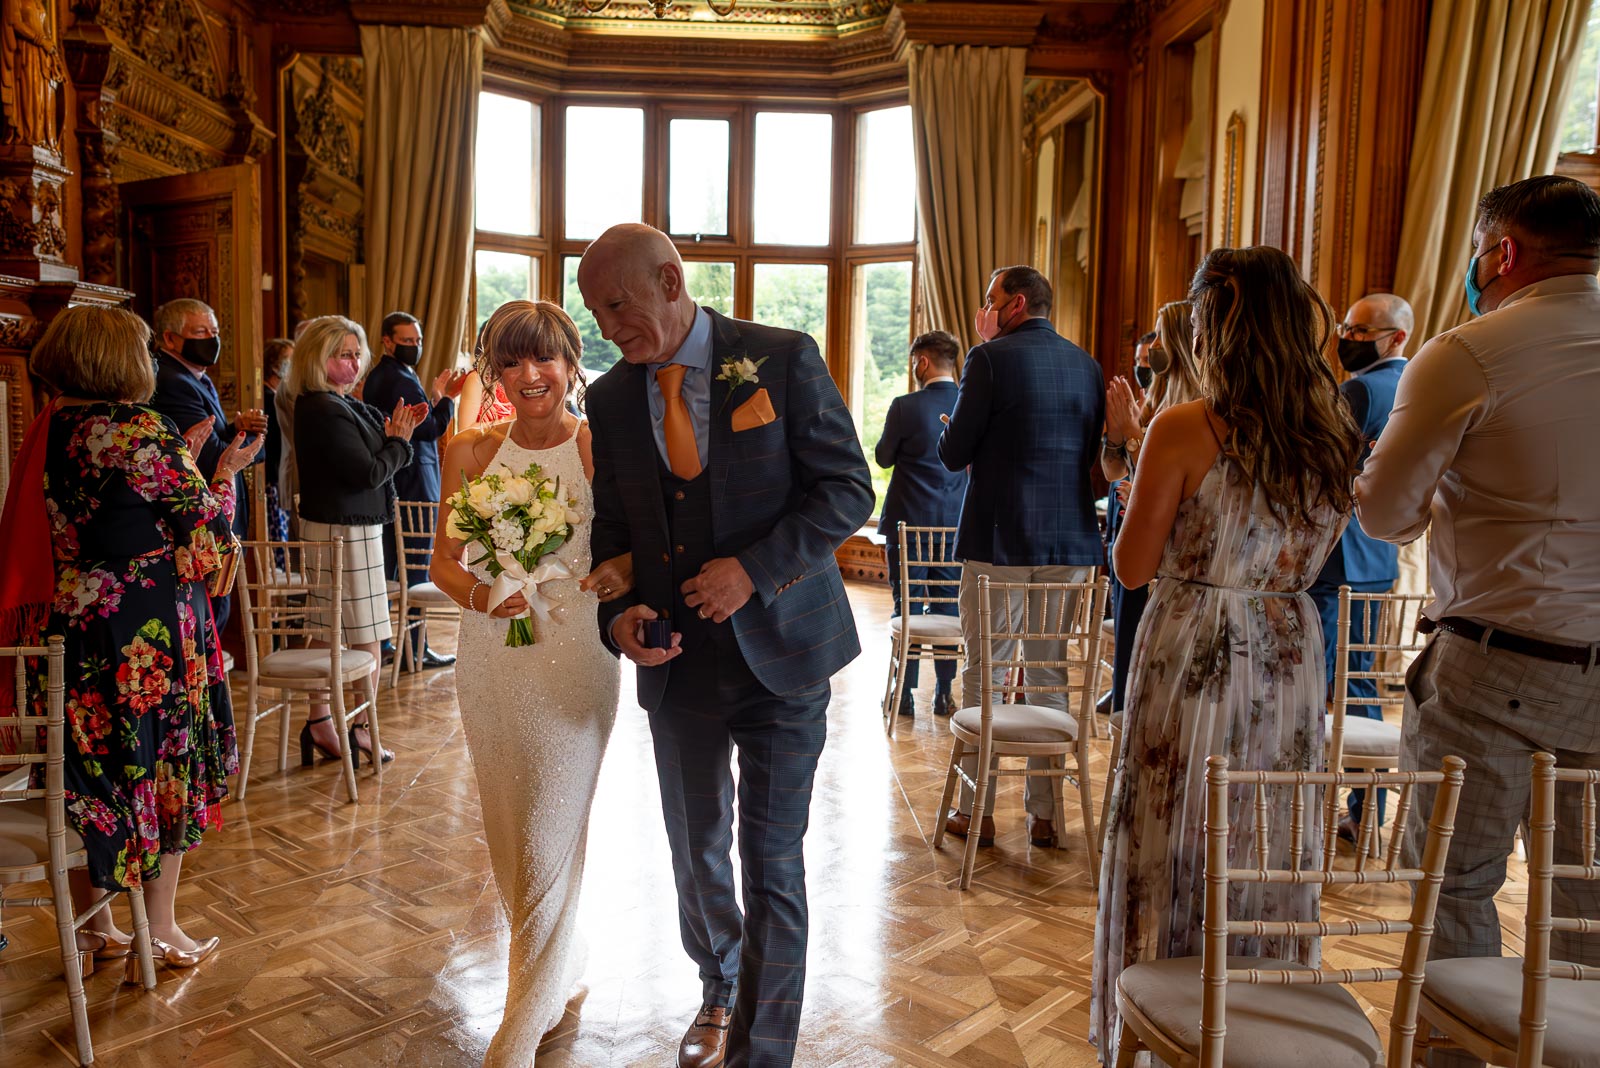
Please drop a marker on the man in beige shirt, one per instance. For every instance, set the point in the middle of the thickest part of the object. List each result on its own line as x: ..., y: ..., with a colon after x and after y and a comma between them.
x: 1494, y: 439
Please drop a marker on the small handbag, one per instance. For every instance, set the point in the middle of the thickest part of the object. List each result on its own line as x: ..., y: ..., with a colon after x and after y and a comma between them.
x: 220, y: 582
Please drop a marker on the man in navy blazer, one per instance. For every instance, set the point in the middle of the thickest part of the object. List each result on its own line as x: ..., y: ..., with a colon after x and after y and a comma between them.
x: 1372, y: 346
x: 1027, y: 420
x: 392, y: 380
x: 922, y: 493
x: 726, y: 462
x: 188, y: 342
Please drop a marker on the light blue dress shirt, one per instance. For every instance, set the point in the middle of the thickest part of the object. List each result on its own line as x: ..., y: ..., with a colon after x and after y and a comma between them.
x: 695, y: 354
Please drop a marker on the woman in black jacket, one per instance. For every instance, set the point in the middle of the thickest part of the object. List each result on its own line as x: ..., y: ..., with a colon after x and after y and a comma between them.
x: 346, y: 453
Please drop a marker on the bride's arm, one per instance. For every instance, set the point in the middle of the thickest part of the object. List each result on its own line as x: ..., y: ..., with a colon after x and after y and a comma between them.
x: 613, y: 576
x: 447, y: 571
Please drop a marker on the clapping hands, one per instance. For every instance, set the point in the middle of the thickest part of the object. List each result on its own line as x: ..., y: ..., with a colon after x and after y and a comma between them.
x: 449, y: 383
x: 404, y: 419
x: 1122, y: 411
x: 238, y: 455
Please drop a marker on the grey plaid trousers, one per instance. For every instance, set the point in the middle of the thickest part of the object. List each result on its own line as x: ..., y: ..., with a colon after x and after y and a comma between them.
x: 1495, y: 709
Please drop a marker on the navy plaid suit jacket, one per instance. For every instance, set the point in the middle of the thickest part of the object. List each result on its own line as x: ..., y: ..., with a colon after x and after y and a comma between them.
x: 1028, y: 421
x: 784, y: 496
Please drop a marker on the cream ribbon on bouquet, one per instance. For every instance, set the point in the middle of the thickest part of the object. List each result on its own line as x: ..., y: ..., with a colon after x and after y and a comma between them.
x: 514, y: 578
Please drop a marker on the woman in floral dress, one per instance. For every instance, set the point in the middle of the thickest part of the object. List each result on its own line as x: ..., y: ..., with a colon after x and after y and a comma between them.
x: 131, y: 532
x: 1238, y: 499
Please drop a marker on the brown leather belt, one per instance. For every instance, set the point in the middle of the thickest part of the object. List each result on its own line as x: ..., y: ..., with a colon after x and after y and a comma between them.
x: 1582, y: 655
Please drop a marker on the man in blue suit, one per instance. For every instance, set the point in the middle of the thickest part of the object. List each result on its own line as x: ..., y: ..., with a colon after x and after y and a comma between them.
x: 188, y: 342
x: 726, y: 462
x: 921, y: 492
x: 1027, y: 420
x: 1372, y: 345
x: 394, y: 379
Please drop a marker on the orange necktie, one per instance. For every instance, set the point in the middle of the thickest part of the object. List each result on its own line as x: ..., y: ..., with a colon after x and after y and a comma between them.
x: 683, y: 454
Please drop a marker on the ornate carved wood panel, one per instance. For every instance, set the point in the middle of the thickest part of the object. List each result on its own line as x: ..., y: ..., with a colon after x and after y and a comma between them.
x: 323, y: 107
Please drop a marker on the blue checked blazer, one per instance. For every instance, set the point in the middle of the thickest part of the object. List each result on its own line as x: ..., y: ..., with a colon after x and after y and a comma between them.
x: 784, y: 496
x: 1028, y: 421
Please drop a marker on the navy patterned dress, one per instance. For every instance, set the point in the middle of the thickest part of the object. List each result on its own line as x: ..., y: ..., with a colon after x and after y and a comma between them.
x: 135, y: 532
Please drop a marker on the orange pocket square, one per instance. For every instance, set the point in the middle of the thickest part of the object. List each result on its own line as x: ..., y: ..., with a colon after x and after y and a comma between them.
x: 757, y: 411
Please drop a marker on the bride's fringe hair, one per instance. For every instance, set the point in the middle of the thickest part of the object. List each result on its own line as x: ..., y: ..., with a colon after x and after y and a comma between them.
x: 1261, y: 338
x: 522, y: 328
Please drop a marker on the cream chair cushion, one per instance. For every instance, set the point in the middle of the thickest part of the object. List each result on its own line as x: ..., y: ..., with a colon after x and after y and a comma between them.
x: 1485, y: 992
x: 1371, y: 738
x: 24, y: 838
x: 392, y: 586
x: 313, y: 663
x: 427, y: 595
x: 227, y: 661
x: 1270, y: 1025
x: 929, y: 626
x: 1021, y: 723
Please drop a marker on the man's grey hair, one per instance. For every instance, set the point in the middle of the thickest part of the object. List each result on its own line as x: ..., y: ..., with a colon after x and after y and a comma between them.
x: 170, y: 316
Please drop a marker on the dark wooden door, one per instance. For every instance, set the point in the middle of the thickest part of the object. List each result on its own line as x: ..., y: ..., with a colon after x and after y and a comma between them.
x: 199, y: 235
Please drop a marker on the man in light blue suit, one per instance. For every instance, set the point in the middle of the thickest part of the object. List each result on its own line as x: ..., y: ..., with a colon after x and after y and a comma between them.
x: 1372, y: 344
x: 922, y: 493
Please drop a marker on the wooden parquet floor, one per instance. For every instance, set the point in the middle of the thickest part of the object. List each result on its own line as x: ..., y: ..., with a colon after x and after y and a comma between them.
x: 371, y: 934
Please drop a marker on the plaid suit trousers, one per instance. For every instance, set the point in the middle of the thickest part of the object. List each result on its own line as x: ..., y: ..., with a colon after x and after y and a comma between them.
x: 1495, y: 709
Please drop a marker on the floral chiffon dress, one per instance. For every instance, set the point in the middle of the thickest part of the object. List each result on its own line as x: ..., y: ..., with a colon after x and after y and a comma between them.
x: 1227, y: 661
x: 135, y: 531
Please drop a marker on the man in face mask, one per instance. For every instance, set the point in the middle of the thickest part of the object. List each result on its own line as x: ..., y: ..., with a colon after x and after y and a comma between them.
x: 1027, y: 420
x: 1493, y: 443
x: 1372, y: 344
x: 187, y: 344
x: 394, y: 379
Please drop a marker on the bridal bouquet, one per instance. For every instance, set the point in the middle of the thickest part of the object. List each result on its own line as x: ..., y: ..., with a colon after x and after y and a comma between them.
x: 509, y: 522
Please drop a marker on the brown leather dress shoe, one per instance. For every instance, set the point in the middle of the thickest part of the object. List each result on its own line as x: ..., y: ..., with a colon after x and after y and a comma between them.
x: 706, y: 1042
x: 1041, y: 832
x: 959, y: 823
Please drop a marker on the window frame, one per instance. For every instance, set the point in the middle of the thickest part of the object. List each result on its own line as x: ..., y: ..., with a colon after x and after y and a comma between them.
x: 842, y: 253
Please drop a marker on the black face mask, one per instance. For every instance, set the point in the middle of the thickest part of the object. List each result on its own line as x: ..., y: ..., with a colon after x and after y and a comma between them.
x: 1144, y: 376
x: 202, y: 351
x: 1357, y: 355
x: 410, y: 355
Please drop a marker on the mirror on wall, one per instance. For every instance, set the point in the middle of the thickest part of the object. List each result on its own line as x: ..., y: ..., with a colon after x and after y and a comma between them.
x: 1062, y: 132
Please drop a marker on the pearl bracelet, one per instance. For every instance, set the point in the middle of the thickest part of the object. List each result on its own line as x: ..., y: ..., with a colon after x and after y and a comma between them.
x: 472, y: 598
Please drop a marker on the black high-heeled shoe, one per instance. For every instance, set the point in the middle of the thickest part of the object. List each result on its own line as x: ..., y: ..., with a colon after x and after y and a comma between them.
x: 356, y: 750
x: 308, y: 743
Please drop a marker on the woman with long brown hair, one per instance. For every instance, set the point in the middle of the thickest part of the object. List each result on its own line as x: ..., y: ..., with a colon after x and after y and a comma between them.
x: 1238, y: 499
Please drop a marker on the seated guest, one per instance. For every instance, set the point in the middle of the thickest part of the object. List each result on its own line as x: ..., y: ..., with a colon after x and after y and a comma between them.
x: 109, y: 536
x: 187, y: 342
x: 921, y: 492
x: 1174, y: 380
x: 393, y: 380
x: 274, y: 362
x: 1372, y: 346
x: 348, y: 452
x: 1237, y: 500
x: 1492, y: 442
x: 1027, y: 419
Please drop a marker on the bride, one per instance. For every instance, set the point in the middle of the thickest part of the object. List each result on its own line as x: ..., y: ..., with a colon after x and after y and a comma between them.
x: 537, y: 717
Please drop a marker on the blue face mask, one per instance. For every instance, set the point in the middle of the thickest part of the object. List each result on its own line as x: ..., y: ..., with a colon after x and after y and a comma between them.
x: 1474, y: 293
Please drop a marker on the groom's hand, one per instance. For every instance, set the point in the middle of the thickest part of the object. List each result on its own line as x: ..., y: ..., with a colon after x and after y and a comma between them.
x: 627, y: 630
x: 720, y: 590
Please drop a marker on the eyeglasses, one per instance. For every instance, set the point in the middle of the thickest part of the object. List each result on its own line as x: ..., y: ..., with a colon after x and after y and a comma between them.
x: 1351, y: 329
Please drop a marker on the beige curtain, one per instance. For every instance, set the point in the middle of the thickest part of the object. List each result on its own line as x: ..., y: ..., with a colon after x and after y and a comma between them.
x: 422, y: 119
x: 966, y: 108
x: 1493, y: 88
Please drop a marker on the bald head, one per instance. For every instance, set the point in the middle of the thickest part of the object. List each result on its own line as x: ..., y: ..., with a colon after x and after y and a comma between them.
x: 631, y: 278
x: 1379, y: 314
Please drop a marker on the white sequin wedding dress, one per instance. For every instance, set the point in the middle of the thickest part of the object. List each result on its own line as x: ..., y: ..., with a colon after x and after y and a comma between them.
x: 537, y: 719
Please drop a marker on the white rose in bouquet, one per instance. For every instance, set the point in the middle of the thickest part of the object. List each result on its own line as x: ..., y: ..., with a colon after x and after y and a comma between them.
x: 517, y: 491
x: 454, y: 527
x: 480, y: 496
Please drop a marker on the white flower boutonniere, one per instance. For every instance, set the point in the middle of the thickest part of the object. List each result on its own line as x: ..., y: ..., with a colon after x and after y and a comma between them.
x: 737, y: 372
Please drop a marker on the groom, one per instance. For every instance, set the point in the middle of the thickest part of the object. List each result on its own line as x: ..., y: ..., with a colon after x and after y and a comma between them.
x: 727, y: 464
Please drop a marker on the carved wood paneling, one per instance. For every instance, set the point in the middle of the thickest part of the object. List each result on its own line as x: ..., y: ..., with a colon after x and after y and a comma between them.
x: 325, y: 107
